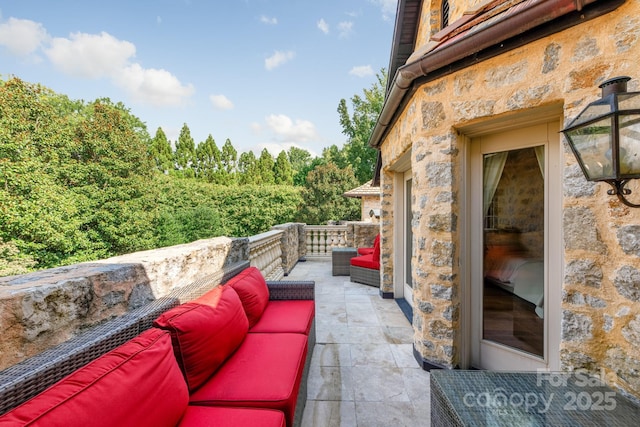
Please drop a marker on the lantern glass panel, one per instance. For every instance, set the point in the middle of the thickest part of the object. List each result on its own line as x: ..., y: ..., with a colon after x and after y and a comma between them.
x: 629, y: 101
x: 592, y: 145
x: 629, y: 145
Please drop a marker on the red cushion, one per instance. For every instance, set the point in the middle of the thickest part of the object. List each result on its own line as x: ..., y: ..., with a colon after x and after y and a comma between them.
x: 366, y: 261
x: 265, y: 372
x: 376, y: 250
x: 365, y: 251
x: 286, y: 316
x: 253, y: 292
x: 136, y: 384
x: 208, y: 416
x: 204, y: 336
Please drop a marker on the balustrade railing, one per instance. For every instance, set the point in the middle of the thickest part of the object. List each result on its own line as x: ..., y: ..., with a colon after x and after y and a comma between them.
x: 321, y: 239
x: 265, y: 253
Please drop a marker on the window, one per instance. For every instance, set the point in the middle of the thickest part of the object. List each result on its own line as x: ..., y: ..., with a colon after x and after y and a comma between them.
x: 444, y: 14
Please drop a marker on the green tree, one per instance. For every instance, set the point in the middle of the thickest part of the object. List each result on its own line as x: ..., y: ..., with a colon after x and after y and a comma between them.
x: 359, y: 125
x: 162, y: 152
x: 265, y: 167
x: 228, y: 161
x: 208, y: 155
x: 282, y: 171
x: 300, y: 160
x: 185, y: 154
x: 248, y: 169
x: 323, y: 196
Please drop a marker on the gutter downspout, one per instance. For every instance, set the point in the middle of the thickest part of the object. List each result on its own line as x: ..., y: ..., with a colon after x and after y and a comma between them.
x: 526, y: 16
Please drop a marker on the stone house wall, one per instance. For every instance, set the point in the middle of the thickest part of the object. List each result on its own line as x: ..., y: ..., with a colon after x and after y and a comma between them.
x: 600, y: 326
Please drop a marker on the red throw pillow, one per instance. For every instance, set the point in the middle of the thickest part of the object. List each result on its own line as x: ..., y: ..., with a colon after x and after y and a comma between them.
x: 137, y: 384
x: 205, y: 332
x: 253, y: 292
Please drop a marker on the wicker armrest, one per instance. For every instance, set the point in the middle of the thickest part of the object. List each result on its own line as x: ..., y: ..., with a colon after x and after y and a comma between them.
x: 291, y: 289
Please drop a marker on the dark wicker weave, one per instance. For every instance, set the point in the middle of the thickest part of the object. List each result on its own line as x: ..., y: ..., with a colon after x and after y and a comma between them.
x: 367, y: 276
x: 341, y: 260
x: 28, y: 378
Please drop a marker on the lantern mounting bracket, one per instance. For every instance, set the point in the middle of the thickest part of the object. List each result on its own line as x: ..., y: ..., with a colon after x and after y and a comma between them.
x: 619, y: 189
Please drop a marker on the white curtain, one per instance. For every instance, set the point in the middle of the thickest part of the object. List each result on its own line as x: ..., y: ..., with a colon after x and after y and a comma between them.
x: 540, y: 156
x: 493, y: 167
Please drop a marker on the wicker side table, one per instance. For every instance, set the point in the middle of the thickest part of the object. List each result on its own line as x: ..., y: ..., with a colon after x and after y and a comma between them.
x: 341, y: 260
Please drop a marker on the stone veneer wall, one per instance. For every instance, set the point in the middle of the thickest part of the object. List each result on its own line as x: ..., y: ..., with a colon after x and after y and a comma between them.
x: 47, y: 307
x: 600, y: 327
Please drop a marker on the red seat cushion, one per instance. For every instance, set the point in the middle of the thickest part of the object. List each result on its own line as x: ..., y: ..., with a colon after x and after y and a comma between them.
x: 366, y: 261
x: 136, y: 384
x: 253, y: 292
x: 265, y: 372
x: 205, y: 332
x: 208, y: 416
x: 286, y: 316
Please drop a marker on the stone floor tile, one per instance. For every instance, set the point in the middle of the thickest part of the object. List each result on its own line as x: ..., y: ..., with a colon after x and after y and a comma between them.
x: 333, y: 333
x: 330, y: 383
x: 331, y: 355
x: 372, y: 354
x: 386, y: 414
x: 364, y: 334
x: 397, y: 335
x: 403, y: 355
x: 378, y: 384
x: 416, y: 384
x: 320, y: 413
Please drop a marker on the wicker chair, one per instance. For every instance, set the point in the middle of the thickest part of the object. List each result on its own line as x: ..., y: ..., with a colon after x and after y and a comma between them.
x: 366, y: 268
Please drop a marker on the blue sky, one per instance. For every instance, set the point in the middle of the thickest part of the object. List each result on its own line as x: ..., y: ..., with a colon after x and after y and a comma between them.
x: 263, y: 73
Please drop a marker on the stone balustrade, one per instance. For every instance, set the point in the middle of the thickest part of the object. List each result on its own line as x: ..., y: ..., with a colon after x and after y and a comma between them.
x: 265, y: 253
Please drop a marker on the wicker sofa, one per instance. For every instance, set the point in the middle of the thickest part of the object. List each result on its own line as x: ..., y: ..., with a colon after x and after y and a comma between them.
x: 231, y: 355
x: 366, y: 268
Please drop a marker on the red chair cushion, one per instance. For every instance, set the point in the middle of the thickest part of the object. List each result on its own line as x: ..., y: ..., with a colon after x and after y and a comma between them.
x: 265, y: 372
x: 376, y: 251
x: 286, y: 316
x: 365, y: 251
x: 366, y: 261
x: 208, y: 416
x: 253, y: 292
x: 136, y: 384
x: 204, y: 336
x: 369, y: 251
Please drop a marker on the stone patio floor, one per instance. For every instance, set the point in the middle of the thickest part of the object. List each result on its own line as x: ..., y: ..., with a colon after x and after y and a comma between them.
x: 363, y: 372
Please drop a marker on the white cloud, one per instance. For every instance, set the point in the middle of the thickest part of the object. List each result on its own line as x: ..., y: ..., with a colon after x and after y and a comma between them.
x: 96, y: 56
x: 361, y: 71
x: 277, y: 59
x: 345, y: 28
x: 22, y: 37
x: 153, y: 86
x: 221, y: 102
x: 323, y: 26
x: 90, y: 55
x: 286, y: 130
x: 388, y: 8
x: 268, y: 20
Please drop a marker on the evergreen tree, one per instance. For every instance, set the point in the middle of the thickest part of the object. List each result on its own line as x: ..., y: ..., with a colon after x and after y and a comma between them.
x: 208, y: 155
x: 282, y: 171
x: 161, y: 152
x: 248, y: 169
x: 265, y: 167
x: 185, y: 154
x: 228, y: 162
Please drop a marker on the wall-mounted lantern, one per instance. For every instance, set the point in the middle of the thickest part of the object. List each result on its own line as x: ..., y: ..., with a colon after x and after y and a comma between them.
x: 605, y: 138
